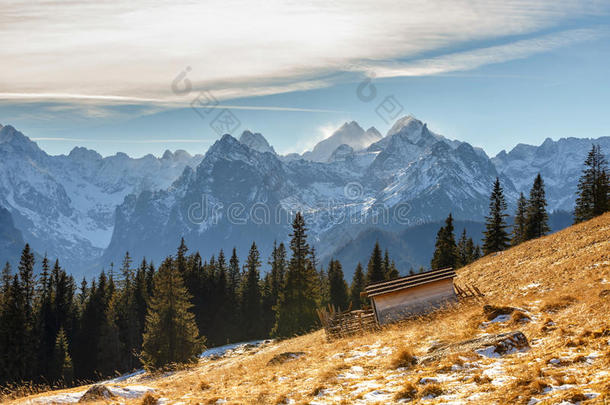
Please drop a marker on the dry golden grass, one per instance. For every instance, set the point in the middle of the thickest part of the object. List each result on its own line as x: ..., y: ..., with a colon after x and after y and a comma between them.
x: 556, y: 282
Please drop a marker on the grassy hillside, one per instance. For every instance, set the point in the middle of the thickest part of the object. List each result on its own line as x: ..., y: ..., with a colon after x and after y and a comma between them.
x: 558, y: 287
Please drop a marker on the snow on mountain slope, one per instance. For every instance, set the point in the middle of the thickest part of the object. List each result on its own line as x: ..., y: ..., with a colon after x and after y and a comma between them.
x: 64, y: 205
x: 559, y: 162
x: 84, y: 206
x: 412, y: 179
x: 350, y: 134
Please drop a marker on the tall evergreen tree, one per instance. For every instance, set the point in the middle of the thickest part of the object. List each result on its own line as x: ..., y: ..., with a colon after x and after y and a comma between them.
x: 463, y: 257
x: 251, y: 296
x: 375, y: 269
x: 5, y: 329
x: 171, y: 334
x: 536, y: 219
x: 339, y: 296
x: 445, y: 248
x: 62, y: 362
x: 519, y: 228
x: 593, y: 195
x: 300, y: 297
x: 358, y: 285
x: 27, y: 283
x: 45, y: 328
x: 496, y: 238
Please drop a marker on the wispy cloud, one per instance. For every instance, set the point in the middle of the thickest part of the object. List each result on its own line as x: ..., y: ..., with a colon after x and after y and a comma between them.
x: 463, y: 61
x: 114, y: 52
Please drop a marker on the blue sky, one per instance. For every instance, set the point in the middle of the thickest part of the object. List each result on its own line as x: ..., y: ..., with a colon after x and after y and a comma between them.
x: 491, y: 73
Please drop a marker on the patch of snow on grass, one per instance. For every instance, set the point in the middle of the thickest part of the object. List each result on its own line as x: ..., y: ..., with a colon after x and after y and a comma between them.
x: 377, y: 396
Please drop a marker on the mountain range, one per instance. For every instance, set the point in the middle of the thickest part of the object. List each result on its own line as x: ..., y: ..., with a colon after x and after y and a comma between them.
x: 88, y: 210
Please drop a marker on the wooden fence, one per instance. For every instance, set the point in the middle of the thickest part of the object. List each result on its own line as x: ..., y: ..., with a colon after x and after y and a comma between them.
x: 347, y: 323
x: 468, y: 292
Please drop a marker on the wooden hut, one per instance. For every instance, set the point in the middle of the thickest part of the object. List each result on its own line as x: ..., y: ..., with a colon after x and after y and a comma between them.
x: 412, y: 295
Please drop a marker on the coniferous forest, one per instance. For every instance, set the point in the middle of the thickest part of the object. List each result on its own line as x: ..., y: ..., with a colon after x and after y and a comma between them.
x: 55, y: 331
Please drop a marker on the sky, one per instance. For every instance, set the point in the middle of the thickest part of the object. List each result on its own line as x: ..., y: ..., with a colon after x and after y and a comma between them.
x: 146, y: 75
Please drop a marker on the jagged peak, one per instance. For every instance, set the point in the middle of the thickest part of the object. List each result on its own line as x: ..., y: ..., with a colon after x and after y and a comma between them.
x: 374, y: 131
x: 407, y: 123
x: 256, y: 141
x: 13, y: 137
x: 82, y: 153
x: 167, y: 155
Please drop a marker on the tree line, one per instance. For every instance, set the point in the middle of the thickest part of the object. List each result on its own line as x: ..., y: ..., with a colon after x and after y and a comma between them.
x: 52, y: 331
x: 530, y: 219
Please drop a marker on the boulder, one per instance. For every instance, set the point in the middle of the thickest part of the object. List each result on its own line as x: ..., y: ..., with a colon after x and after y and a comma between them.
x: 487, y: 345
x: 96, y: 392
x: 284, y: 357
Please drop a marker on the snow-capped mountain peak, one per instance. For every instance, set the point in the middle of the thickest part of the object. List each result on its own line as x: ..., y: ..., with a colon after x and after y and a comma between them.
x: 256, y: 141
x: 408, y: 125
x: 350, y: 134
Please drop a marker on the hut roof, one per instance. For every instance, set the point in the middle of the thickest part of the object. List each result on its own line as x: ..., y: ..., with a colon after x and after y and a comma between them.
x: 384, y: 287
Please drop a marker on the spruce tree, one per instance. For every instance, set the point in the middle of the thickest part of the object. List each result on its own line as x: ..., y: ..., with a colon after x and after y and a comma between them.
x: 471, y: 251
x: 445, y: 248
x: 358, y: 285
x: 171, y: 334
x: 463, y: 257
x: 63, y: 370
x: 27, y: 283
x: 593, y: 195
x: 519, y: 228
x: 496, y: 238
x: 300, y: 297
x: 375, y: 269
x: 45, y: 327
x: 339, y: 296
x: 5, y: 330
x: 393, y: 271
x: 251, y: 296
x: 536, y: 220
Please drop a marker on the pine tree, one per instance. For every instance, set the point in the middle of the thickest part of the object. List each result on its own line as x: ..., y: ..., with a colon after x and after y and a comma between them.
x: 463, y: 257
x: 278, y: 270
x: 337, y: 286
x: 536, y: 219
x: 593, y: 196
x: 519, y: 228
x: 471, y: 253
x: 27, y: 283
x: 234, y: 280
x: 358, y: 285
x: 45, y: 327
x: 375, y: 269
x: 62, y: 362
x: 251, y: 296
x: 300, y: 297
x: 496, y: 238
x: 171, y: 334
x: 268, y: 304
x: 181, y: 257
x: 445, y: 249
x: 5, y: 330
x: 393, y: 271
